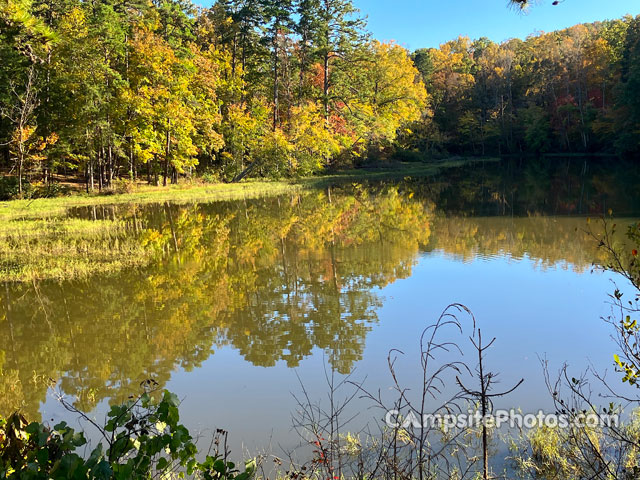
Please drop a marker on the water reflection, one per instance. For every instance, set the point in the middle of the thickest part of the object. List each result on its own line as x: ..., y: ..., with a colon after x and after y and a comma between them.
x: 552, y: 186
x: 549, y: 241
x: 274, y: 278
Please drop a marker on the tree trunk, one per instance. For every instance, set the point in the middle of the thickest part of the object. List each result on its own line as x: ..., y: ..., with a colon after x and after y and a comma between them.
x: 325, y: 65
x: 165, y: 173
x: 234, y: 55
x: 101, y: 170
x: 20, y: 163
x: 166, y: 156
x: 132, y: 169
x: 275, y: 77
x: 303, y: 66
x: 245, y: 172
x: 91, y: 181
x: 110, y: 156
x: 325, y: 89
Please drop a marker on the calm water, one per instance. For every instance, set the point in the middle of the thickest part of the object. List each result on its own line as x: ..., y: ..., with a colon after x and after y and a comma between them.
x: 241, y: 296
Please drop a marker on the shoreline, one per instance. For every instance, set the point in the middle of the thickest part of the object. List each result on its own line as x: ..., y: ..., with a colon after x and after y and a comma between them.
x: 212, y: 192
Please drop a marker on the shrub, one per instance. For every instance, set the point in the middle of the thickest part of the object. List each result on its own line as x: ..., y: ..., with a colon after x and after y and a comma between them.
x: 210, y: 176
x: 404, y: 155
x: 144, y: 439
x: 48, y: 190
x: 9, y: 187
x: 121, y: 185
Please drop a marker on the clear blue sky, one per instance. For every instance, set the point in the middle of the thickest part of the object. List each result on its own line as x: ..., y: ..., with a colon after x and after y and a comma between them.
x: 428, y: 23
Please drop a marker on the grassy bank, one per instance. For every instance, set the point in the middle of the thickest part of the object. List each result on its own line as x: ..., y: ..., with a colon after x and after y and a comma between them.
x: 188, y: 192
x: 198, y: 192
x: 38, y: 241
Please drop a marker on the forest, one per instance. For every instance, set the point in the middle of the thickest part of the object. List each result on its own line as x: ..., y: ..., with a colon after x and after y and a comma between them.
x: 139, y: 90
x: 111, y: 88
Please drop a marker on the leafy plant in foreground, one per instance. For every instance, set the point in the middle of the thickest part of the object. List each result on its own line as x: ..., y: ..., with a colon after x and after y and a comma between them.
x: 142, y: 438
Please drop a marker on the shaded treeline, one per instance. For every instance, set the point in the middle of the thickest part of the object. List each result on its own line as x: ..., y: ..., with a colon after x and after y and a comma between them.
x: 526, y: 186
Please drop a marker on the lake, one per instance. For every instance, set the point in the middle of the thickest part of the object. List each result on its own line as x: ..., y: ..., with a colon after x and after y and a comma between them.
x: 239, y: 300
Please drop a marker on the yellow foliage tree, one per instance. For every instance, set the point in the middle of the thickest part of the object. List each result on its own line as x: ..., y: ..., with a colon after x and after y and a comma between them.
x: 312, y: 143
x: 395, y: 96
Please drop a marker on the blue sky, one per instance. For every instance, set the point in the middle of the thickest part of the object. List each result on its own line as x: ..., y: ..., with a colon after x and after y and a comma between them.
x: 428, y: 23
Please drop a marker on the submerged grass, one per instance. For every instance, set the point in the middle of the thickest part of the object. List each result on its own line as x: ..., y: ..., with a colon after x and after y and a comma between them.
x: 63, y: 248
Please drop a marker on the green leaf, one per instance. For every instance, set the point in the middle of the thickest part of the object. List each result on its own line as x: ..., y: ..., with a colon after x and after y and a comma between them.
x: 162, y: 463
x: 43, y: 457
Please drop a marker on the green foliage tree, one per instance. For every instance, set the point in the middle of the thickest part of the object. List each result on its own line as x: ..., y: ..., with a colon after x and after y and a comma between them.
x: 565, y: 91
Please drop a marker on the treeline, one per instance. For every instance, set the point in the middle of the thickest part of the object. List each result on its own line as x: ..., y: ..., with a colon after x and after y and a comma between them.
x: 154, y: 89
x: 574, y: 90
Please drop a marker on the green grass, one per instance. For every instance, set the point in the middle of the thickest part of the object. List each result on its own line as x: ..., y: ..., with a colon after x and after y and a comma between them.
x: 187, y: 193
x: 47, y: 207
